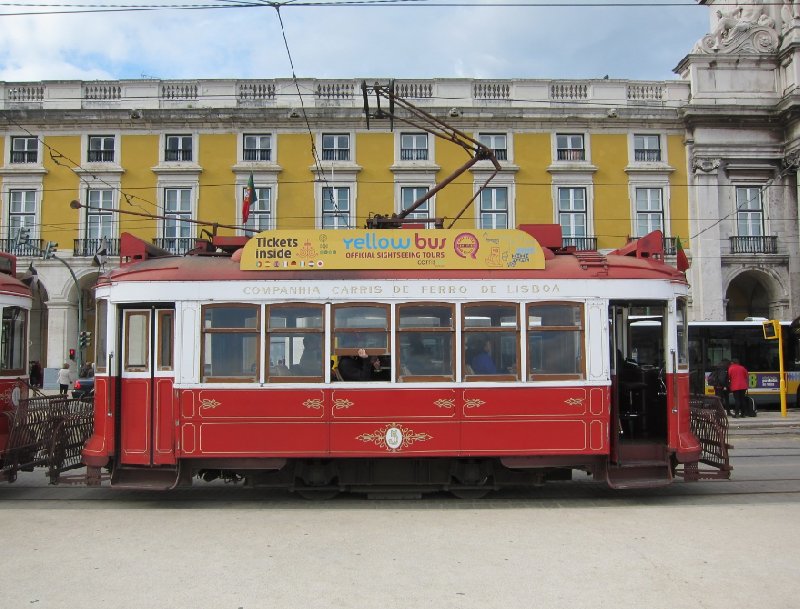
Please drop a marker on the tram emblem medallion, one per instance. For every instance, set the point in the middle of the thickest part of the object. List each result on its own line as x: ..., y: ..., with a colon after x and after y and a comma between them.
x: 394, y: 438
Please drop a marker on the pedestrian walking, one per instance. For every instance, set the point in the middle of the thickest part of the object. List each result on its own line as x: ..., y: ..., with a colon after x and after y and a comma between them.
x: 63, y: 379
x: 738, y: 383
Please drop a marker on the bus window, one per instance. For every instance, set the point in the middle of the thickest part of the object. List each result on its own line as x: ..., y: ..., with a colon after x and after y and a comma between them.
x: 491, y: 342
x: 425, y: 339
x: 295, y: 339
x: 555, y: 341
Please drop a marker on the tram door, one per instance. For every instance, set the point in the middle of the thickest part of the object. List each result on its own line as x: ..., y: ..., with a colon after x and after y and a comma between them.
x: 146, y: 429
x: 639, y: 360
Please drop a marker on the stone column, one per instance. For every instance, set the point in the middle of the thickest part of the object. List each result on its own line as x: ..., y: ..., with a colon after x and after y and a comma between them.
x: 705, y: 275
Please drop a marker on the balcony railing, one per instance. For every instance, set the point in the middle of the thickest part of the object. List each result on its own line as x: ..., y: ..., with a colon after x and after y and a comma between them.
x: 32, y: 247
x: 257, y: 154
x: 570, y: 154
x: 581, y: 244
x: 335, y: 154
x: 647, y: 155
x: 754, y: 245
x: 413, y: 154
x: 101, y: 156
x: 177, y: 155
x: 89, y: 247
x: 24, y: 156
x: 175, y: 245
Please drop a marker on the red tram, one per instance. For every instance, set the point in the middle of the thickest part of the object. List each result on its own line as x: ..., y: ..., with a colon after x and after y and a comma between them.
x: 361, y: 360
x: 15, y: 306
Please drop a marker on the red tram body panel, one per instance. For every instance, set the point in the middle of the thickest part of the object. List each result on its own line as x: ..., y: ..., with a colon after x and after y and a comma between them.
x: 214, y: 365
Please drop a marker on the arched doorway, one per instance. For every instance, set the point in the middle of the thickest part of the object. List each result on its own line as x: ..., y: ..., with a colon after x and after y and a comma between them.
x: 749, y: 295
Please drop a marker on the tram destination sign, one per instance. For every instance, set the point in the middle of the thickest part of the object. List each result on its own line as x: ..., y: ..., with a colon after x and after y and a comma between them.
x: 391, y: 249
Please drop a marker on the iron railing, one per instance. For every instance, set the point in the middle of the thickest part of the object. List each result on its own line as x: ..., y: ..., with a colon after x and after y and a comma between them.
x: 178, y: 155
x: 32, y: 247
x: 709, y: 424
x: 582, y: 244
x: 257, y: 154
x: 571, y: 154
x: 335, y: 154
x: 100, y: 156
x: 89, y: 247
x: 413, y: 154
x: 175, y: 245
x: 754, y: 245
x: 24, y: 156
x: 646, y: 155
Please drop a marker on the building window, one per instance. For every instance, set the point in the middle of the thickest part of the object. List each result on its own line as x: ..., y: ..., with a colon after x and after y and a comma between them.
x: 178, y: 148
x: 647, y: 148
x: 296, y: 343
x: 409, y: 194
x: 21, y: 213
x: 230, y: 338
x: 257, y: 148
x: 24, y: 150
x: 572, y: 212
x: 336, y: 147
x: 569, y: 147
x: 497, y: 142
x: 414, y: 147
x: 100, y: 215
x: 101, y: 149
x: 494, y: 208
x: 335, y: 207
x: 749, y: 211
x: 555, y: 341
x: 177, y: 233
x: 649, y: 211
x: 260, y: 217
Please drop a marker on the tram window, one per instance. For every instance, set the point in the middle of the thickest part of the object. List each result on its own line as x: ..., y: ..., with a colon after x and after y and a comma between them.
x: 165, y: 339
x: 14, y: 340
x: 230, y: 343
x: 100, y: 345
x: 363, y: 326
x: 491, y: 342
x: 425, y: 339
x: 683, y: 334
x: 295, y: 341
x: 137, y: 337
x: 555, y: 341
x: 646, y: 335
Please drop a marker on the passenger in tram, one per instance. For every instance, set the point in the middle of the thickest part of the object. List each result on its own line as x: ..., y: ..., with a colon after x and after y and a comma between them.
x: 419, y: 360
x: 480, y: 358
x: 359, y: 367
x: 311, y: 360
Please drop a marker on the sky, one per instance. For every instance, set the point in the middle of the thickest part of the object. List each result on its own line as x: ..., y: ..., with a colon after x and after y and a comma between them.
x: 242, y: 39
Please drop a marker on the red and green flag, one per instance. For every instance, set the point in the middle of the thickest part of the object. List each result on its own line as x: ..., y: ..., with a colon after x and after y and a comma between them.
x: 250, y: 197
x: 682, y: 260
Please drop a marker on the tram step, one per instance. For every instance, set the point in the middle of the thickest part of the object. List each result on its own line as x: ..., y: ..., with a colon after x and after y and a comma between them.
x: 639, y: 474
x: 145, y: 478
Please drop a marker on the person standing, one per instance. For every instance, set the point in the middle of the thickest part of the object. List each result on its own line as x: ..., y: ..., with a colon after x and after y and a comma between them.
x: 63, y: 379
x: 738, y: 383
x: 718, y: 379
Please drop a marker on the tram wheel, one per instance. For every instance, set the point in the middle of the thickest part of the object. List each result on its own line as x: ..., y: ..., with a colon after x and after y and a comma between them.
x: 469, y: 493
x: 321, y: 495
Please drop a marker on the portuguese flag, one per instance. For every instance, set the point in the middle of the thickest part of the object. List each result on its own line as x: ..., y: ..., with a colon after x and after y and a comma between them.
x: 682, y: 260
x: 250, y: 197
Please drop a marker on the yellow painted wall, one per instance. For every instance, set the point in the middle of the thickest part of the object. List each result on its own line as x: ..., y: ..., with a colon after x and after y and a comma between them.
x: 217, y: 200
x: 534, y: 193
x: 139, y: 154
x: 59, y: 222
x: 451, y: 200
x: 612, y: 206
x: 375, y: 155
x: 679, y: 191
x: 295, y: 202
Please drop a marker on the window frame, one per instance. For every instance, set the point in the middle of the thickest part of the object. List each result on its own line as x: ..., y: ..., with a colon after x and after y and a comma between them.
x: 572, y: 212
x: 424, y: 211
x: 581, y: 329
x: 103, y: 151
x: 26, y: 153
x: 258, y: 153
x: 468, y: 332
x: 165, y: 331
x: 100, y: 212
x: 255, y: 331
x: 494, y: 211
x: 649, y: 213
x: 642, y: 148
x: 348, y: 214
x: 181, y: 152
x: 745, y: 215
x: 266, y: 216
x: 400, y: 366
x: 411, y: 146
x: 568, y: 148
x: 126, y: 365
x: 332, y: 150
x: 273, y: 377
x: 490, y: 140
x: 16, y: 343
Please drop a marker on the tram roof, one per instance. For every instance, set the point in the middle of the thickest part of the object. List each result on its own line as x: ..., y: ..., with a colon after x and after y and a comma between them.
x: 223, y: 268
